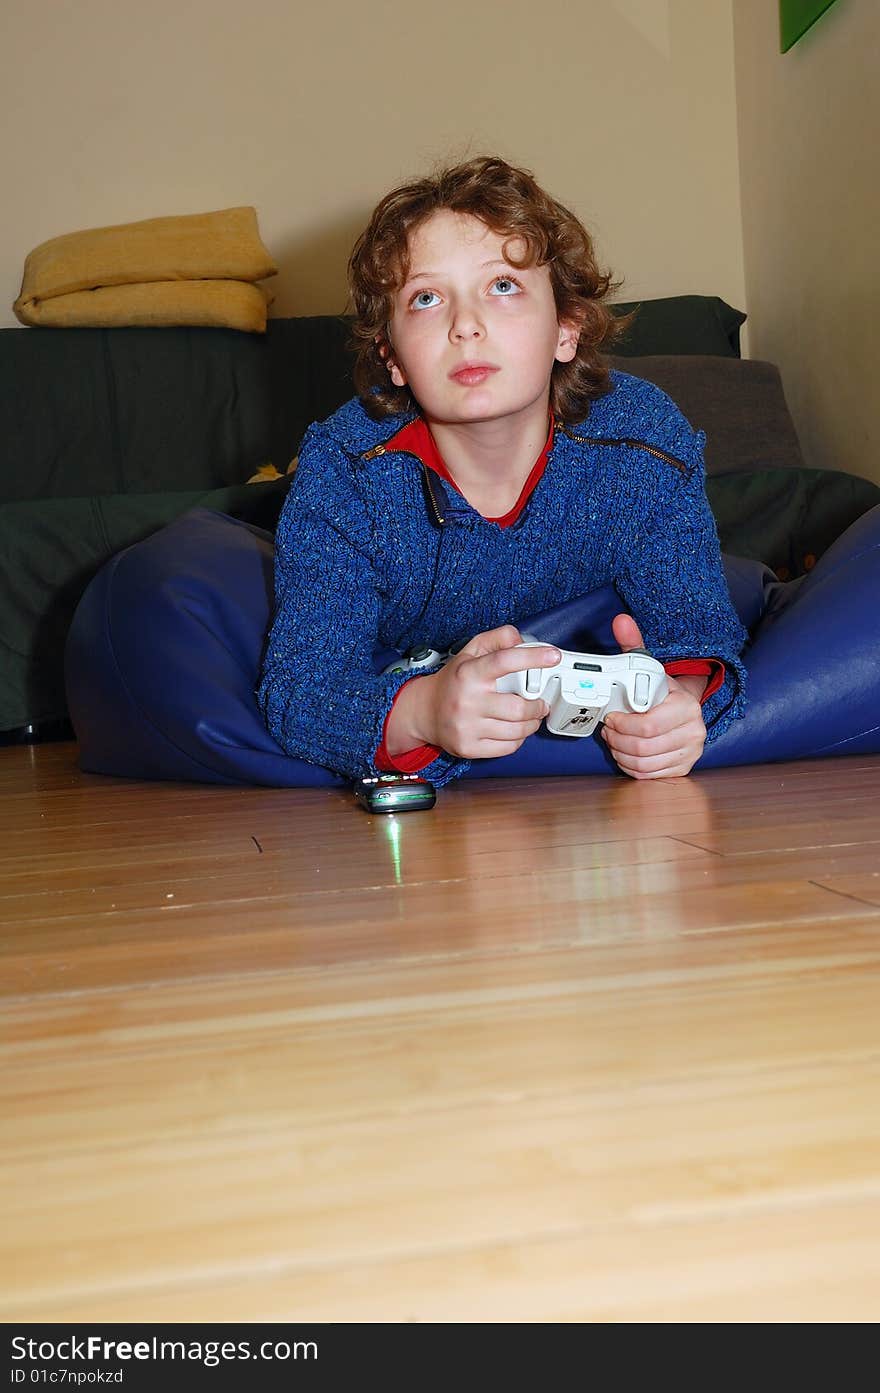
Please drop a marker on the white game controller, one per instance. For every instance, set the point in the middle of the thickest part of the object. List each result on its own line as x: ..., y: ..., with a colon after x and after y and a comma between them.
x: 582, y: 687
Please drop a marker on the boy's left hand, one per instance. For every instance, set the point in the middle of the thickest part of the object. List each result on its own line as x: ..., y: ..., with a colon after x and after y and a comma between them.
x: 665, y: 742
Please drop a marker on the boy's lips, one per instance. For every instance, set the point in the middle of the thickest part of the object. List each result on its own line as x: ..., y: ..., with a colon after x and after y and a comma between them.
x: 471, y: 374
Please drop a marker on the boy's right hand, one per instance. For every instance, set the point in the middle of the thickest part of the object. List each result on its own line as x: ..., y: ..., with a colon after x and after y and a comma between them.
x: 459, y: 709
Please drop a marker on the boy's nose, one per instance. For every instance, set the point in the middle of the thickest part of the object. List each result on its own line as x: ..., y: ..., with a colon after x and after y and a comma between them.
x: 466, y: 324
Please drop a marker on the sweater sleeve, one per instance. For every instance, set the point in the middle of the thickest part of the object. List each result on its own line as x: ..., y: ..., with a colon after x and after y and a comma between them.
x: 673, y: 581
x: 319, y: 692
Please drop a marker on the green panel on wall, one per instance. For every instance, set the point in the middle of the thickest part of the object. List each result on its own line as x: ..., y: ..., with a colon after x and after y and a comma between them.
x: 795, y: 18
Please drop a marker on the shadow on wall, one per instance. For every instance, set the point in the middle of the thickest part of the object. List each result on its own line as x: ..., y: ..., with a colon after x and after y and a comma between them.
x: 312, y: 268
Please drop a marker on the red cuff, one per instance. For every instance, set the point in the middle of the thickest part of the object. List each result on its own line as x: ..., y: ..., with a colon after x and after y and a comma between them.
x: 712, y: 668
x: 409, y: 761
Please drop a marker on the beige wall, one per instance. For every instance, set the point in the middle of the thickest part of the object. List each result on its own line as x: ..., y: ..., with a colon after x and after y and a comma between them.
x: 119, y: 109
x: 809, y: 123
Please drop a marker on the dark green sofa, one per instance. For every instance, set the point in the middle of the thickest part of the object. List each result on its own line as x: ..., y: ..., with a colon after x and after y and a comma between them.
x: 110, y: 434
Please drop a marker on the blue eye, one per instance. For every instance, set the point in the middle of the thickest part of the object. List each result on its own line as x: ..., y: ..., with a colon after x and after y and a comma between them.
x: 505, y: 285
x: 425, y: 300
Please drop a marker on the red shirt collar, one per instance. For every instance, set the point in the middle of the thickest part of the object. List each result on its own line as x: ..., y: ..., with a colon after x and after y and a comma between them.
x: 417, y: 439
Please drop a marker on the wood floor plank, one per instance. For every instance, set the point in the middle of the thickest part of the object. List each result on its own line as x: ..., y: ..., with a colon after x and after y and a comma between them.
x: 820, y: 1269
x: 403, y: 1185
x: 582, y: 1050
x: 243, y: 1056
x: 532, y: 913
x: 861, y: 884
x: 624, y: 864
x: 265, y: 871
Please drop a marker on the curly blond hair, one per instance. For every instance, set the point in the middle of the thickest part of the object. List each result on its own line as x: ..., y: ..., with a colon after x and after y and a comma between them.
x: 510, y: 202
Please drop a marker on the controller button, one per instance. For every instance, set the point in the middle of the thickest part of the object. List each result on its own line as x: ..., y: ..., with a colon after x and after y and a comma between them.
x: 642, y: 688
x: 533, y: 681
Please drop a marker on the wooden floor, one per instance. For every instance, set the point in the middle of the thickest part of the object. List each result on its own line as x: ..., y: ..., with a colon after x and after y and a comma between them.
x: 571, y: 1050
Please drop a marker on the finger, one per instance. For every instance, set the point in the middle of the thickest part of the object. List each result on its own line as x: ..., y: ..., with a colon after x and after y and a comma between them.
x: 492, y: 749
x: 506, y: 660
x: 675, y: 712
x: 506, y: 636
x: 491, y: 744
x: 627, y: 632
x: 638, y: 769
x: 648, y: 759
x: 507, y: 706
x: 644, y: 747
x: 490, y: 729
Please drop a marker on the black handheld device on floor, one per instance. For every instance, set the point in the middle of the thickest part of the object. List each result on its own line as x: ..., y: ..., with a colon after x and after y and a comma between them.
x: 395, y: 793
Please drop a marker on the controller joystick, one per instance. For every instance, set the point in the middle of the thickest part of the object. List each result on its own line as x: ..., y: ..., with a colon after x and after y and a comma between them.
x: 417, y: 659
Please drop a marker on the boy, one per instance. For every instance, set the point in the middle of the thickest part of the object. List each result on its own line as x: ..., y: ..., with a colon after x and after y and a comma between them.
x: 490, y: 468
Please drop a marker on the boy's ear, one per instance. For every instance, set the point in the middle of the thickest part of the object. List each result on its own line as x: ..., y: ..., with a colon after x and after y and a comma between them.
x: 569, y: 336
x: 386, y: 353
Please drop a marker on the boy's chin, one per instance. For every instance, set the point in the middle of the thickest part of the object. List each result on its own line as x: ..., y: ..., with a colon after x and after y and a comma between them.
x: 480, y: 407
x: 471, y: 416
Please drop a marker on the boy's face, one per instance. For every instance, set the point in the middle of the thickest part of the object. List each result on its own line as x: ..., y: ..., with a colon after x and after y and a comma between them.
x: 473, y: 337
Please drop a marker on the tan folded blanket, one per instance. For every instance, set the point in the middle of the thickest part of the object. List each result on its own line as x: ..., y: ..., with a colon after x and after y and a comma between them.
x: 198, y: 247
x: 210, y: 304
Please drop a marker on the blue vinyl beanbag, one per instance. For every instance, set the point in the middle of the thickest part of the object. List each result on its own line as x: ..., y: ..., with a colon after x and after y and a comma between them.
x: 164, y: 653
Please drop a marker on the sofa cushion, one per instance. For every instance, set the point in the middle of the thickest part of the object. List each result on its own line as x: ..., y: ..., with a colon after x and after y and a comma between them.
x: 56, y: 415
x: 739, y: 403
x: 191, y: 407
x: 787, y: 518
x: 680, y: 324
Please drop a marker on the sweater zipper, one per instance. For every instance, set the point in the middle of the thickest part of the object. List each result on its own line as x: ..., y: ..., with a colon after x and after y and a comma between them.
x: 439, y: 519
x: 676, y: 463
x: 378, y: 450
x: 637, y: 444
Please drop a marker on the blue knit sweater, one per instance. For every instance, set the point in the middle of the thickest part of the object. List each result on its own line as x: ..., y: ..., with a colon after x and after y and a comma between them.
x: 363, y: 562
